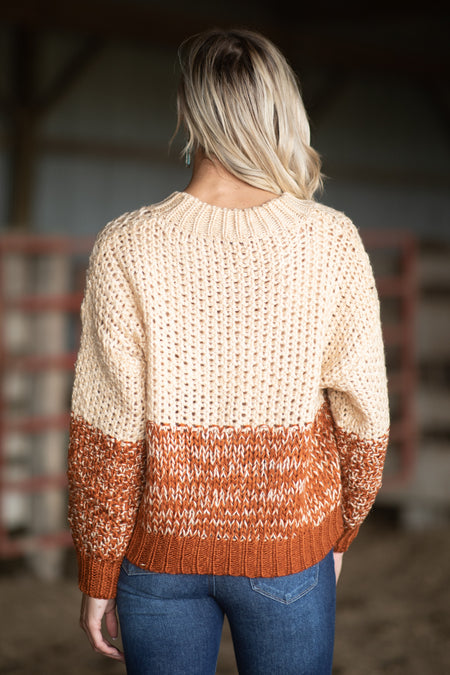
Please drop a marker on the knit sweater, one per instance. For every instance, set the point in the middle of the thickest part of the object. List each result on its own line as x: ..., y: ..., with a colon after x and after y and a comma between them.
x: 230, y: 409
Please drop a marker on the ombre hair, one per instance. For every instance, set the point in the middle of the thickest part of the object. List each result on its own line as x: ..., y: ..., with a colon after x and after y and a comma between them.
x: 239, y: 102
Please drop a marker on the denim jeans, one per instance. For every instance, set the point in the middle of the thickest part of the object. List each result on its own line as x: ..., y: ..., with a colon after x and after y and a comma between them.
x: 171, y: 624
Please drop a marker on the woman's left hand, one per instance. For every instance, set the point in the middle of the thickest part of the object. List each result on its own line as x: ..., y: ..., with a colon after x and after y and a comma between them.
x: 92, y: 612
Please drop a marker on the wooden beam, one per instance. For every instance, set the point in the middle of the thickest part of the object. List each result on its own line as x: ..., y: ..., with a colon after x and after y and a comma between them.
x: 374, y: 176
x: 312, y: 49
x: 69, y: 73
x: 135, y: 18
x: 151, y: 154
x: 305, y: 41
x: 23, y: 109
x: 22, y: 126
x: 121, y: 20
x: 109, y: 150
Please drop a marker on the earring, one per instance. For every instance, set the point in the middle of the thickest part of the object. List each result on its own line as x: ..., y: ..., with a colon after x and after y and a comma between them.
x: 188, y: 159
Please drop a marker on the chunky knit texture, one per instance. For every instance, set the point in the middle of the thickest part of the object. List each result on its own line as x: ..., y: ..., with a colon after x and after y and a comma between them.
x: 230, y: 410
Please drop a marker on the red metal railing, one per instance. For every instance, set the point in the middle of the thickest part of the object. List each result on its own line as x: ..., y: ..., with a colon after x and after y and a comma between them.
x: 75, y: 252
x: 399, y: 332
x: 401, y: 284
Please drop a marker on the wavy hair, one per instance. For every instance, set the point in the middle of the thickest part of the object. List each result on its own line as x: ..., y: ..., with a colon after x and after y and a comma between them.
x: 239, y: 101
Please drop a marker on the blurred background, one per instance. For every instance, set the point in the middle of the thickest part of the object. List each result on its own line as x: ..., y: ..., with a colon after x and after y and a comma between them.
x: 87, y: 109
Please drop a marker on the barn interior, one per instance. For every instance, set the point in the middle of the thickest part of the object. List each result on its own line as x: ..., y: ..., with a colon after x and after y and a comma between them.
x: 87, y: 111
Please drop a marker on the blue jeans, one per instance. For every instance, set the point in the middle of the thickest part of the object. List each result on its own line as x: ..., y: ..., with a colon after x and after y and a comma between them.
x: 171, y: 624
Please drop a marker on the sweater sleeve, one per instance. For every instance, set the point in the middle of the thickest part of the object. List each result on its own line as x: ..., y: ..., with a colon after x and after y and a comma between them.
x: 354, y: 376
x: 106, y: 459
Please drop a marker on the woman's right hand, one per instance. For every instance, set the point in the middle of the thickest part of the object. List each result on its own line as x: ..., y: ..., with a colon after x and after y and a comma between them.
x: 92, y: 612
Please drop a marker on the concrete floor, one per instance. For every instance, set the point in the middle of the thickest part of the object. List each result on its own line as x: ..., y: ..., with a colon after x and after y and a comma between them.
x: 392, y: 613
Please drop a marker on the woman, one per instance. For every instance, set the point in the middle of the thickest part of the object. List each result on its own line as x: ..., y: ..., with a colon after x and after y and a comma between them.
x: 230, y: 411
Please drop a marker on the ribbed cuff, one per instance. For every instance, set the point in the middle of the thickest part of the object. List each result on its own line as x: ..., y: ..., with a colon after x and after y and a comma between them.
x: 98, y: 578
x: 345, y: 540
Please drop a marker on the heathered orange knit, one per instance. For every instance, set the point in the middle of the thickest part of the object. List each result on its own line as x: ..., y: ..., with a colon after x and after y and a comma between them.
x: 230, y: 409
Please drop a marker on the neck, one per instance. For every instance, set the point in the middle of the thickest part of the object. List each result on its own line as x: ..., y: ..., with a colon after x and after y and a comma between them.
x: 213, y: 184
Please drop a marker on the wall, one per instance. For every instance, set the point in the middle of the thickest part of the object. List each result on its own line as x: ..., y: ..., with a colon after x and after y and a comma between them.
x: 382, y: 138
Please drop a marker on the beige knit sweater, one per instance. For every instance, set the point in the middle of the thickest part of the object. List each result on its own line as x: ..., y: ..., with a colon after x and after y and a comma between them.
x: 230, y: 409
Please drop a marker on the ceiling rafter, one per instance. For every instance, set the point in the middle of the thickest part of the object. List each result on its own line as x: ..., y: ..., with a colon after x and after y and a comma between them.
x: 303, y: 40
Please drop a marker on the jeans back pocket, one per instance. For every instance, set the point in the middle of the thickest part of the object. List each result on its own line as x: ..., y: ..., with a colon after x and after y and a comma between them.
x: 289, y: 588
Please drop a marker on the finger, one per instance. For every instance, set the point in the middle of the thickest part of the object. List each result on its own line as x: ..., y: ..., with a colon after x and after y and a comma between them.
x: 111, y: 623
x: 101, y: 645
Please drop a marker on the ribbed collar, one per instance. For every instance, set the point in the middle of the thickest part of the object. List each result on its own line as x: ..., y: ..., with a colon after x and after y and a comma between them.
x: 185, y: 213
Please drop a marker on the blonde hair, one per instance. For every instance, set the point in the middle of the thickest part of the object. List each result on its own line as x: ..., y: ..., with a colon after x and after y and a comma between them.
x: 239, y: 101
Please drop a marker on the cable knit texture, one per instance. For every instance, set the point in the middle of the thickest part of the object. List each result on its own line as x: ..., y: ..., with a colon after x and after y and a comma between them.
x: 230, y: 410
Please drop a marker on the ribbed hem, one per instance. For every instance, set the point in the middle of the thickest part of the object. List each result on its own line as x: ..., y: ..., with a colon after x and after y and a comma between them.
x: 345, y: 540
x: 98, y: 578
x: 273, y: 558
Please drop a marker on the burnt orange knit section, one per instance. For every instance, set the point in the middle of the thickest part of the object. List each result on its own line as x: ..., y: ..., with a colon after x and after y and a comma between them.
x: 245, y: 501
x: 239, y: 500
x: 105, y: 478
x: 247, y: 483
x: 361, y: 464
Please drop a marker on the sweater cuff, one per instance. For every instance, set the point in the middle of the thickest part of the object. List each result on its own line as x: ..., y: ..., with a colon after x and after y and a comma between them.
x: 345, y: 540
x: 98, y: 578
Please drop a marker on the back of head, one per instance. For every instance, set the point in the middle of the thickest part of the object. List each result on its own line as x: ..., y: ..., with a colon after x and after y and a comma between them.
x: 239, y: 101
